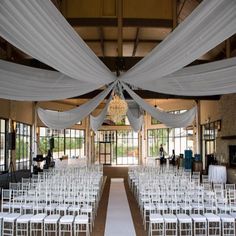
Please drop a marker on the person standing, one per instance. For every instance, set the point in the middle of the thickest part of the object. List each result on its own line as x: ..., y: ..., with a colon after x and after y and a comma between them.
x: 162, y: 155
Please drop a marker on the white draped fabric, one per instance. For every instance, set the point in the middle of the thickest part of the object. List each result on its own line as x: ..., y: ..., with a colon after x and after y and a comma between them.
x: 39, y: 29
x: 96, y: 121
x: 206, y: 79
x: 170, y: 120
x: 135, y: 121
x: 25, y: 83
x: 65, y: 119
x: 209, y: 24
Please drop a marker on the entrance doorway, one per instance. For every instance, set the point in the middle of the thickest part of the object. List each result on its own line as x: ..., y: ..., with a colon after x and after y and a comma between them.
x: 117, y: 147
x: 105, y: 153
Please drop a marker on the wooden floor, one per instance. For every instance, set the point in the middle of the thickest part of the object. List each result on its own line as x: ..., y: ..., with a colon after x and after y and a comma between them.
x: 99, y: 227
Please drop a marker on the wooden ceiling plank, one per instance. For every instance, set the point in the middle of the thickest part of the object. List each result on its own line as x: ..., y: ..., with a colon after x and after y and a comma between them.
x: 127, y: 22
x: 136, y: 42
x: 101, y: 34
x: 120, y: 27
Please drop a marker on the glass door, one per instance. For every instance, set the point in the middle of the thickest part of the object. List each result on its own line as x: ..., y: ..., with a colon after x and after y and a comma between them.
x: 105, y: 153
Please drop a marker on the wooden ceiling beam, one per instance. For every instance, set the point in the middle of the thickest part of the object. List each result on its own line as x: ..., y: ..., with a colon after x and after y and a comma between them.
x: 101, y: 34
x: 156, y: 41
x: 120, y: 27
x: 127, y: 22
x: 136, y: 41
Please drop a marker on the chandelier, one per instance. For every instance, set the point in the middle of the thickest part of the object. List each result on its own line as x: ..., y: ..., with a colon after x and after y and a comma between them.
x: 117, y: 108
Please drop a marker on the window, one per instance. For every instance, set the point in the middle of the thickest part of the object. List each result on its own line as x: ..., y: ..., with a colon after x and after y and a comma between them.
x: 156, y: 137
x: 178, y: 139
x: 2, y: 145
x: 23, y: 146
x: 68, y: 141
x: 75, y: 143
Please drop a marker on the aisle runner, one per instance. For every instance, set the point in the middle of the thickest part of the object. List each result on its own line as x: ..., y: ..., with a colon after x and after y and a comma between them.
x: 119, y: 220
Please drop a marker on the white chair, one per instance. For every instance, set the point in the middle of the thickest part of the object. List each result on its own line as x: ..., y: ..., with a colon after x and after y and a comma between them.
x: 6, y: 200
x: 199, y: 224
x: 66, y: 224
x: 227, y: 225
x: 36, y: 224
x: 213, y: 224
x: 9, y: 223
x: 171, y: 223
x: 2, y: 215
x: 22, y: 225
x: 185, y: 224
x: 156, y: 224
x: 50, y: 224
x: 81, y: 225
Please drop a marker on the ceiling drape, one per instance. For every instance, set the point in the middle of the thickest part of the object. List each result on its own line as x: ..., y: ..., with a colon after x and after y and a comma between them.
x: 38, y: 29
x: 208, y: 25
x: 65, y: 119
x: 213, y: 78
x: 96, y: 121
x: 169, y: 119
x: 24, y: 83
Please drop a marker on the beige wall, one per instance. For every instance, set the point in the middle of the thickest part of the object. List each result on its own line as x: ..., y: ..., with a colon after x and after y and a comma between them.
x: 209, y: 111
x: 18, y: 111
x: 4, y: 108
x: 227, y: 135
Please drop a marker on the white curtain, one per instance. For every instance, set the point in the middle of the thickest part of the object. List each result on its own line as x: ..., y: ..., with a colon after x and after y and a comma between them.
x: 96, y: 121
x: 170, y: 120
x: 135, y: 121
x: 209, y: 24
x: 26, y: 83
x: 39, y: 29
x: 207, y: 79
x: 65, y: 119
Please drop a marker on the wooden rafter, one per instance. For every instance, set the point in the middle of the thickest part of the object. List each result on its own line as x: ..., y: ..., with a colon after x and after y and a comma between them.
x: 101, y: 35
x: 136, y: 42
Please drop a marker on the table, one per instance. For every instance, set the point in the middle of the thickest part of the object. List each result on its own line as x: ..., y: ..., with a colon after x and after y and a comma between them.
x: 217, y: 174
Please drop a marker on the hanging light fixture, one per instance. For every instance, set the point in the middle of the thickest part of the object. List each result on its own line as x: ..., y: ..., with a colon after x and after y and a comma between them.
x: 117, y: 108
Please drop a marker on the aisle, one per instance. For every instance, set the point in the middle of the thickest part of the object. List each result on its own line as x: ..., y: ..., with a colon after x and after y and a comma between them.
x: 118, y: 220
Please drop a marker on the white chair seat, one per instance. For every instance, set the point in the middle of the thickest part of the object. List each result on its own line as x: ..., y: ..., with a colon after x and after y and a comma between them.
x: 170, y: 218
x: 11, y: 217
x: 226, y: 218
x: 27, y: 206
x: 38, y: 218
x: 52, y: 219
x: 51, y: 207
x: 87, y: 209
x: 82, y: 219
x: 62, y: 207
x: 74, y: 208
x: 66, y: 219
x: 183, y: 218
x: 156, y: 218
x: 149, y: 207
x: 212, y: 217
x: 3, y: 214
x: 198, y: 217
x: 24, y: 218
x: 233, y: 214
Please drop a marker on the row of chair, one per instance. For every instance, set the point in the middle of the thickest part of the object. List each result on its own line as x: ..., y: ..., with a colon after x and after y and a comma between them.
x: 64, y: 200
x: 176, y: 192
